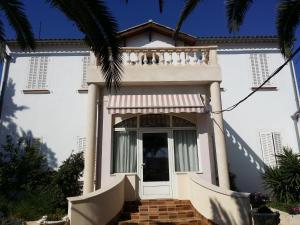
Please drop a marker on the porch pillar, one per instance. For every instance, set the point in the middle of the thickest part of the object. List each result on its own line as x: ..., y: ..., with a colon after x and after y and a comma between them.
x: 89, y: 154
x: 220, y: 145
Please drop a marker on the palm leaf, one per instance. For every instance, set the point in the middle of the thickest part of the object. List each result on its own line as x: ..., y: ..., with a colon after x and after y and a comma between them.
x: 189, y: 6
x: 161, y: 5
x: 3, y: 53
x: 288, y: 14
x: 236, y: 10
x: 14, y: 11
x: 93, y: 18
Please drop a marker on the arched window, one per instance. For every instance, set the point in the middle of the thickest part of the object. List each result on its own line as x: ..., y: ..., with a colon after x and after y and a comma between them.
x: 125, y: 141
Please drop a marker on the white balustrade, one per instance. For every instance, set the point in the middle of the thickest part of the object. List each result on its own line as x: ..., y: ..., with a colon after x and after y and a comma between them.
x: 169, y: 56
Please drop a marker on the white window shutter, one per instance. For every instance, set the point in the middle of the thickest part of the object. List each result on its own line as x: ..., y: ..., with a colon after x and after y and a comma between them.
x: 86, y: 63
x: 256, y: 79
x: 277, y: 143
x: 267, y: 147
x: 260, y: 69
x: 38, y: 68
x: 81, y: 144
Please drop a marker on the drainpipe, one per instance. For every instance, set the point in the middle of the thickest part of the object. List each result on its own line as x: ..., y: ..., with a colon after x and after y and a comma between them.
x: 295, y: 116
x: 4, y: 79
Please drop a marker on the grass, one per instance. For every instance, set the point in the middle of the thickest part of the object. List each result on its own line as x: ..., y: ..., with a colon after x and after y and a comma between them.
x: 282, y: 206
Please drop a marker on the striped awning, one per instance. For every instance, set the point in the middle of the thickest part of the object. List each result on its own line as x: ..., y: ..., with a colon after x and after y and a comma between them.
x: 156, y: 103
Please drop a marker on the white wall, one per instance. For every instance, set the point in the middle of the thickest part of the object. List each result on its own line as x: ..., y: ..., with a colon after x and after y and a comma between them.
x: 59, y: 117
x: 267, y: 110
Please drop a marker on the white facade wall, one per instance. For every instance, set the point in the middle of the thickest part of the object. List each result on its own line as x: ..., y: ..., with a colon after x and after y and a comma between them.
x: 58, y: 118
x: 268, y: 110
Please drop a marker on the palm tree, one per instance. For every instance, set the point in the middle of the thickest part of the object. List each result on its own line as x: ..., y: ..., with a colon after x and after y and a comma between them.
x: 92, y: 17
x: 14, y: 12
x: 287, y: 20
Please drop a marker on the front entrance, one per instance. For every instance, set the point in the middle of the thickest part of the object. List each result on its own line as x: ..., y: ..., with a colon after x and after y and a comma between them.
x: 155, y: 163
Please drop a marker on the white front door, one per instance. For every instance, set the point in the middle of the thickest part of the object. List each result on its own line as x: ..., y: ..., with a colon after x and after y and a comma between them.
x: 155, y: 165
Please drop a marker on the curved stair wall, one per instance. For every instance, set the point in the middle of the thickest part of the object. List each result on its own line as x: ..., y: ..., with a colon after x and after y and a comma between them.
x: 98, y: 207
x: 223, y: 207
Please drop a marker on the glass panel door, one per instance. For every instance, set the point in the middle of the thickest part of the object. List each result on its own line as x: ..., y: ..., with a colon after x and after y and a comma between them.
x: 155, y: 157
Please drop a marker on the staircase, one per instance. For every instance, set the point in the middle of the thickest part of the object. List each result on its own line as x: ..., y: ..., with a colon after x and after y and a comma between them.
x: 161, y: 211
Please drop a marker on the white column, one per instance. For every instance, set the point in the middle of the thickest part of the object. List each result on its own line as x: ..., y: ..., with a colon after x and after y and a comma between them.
x: 89, y: 154
x: 220, y: 145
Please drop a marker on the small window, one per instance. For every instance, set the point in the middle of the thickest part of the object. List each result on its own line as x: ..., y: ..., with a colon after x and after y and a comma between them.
x: 260, y: 69
x: 155, y: 120
x: 85, y: 64
x: 270, y: 146
x: 81, y: 144
x: 128, y: 123
x: 38, y: 69
x: 179, y: 122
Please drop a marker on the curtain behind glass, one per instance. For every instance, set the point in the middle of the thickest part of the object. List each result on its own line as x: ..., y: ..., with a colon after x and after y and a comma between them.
x: 124, y: 152
x: 186, y: 152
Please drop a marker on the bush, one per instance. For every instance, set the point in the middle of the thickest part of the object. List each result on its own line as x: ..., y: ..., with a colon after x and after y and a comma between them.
x: 284, y: 180
x: 29, y: 189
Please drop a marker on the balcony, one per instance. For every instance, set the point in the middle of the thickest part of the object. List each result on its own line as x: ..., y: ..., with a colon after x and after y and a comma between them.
x: 166, y: 56
x: 165, y: 65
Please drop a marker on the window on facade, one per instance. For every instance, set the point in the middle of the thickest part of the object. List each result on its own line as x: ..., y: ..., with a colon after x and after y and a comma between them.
x: 38, y: 69
x: 81, y: 144
x: 185, y: 150
x: 270, y: 146
x: 124, y: 152
x: 85, y: 64
x: 155, y: 120
x: 260, y: 69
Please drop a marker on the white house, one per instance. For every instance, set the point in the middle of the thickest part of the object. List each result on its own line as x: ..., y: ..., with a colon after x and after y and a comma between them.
x: 161, y: 135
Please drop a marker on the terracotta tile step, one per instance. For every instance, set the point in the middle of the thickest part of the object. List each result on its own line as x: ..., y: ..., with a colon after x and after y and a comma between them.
x: 164, y: 202
x: 164, y: 207
x: 185, y: 221
x: 160, y: 215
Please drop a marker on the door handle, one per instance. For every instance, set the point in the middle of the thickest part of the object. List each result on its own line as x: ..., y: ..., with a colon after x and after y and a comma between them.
x: 143, y: 164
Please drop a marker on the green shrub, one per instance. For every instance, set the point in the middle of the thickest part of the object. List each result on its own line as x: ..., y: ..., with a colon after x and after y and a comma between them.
x: 284, y: 180
x: 29, y: 189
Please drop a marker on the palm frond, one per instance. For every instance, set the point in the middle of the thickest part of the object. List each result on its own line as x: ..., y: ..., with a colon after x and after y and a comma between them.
x: 14, y: 11
x: 288, y: 18
x: 93, y: 18
x: 236, y: 10
x: 161, y: 5
x: 189, y: 6
x: 3, y: 53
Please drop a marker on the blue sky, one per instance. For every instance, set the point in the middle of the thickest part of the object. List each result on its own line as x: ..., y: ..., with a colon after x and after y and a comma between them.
x: 207, y: 20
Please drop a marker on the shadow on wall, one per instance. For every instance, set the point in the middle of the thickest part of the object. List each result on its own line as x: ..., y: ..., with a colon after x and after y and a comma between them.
x: 222, y: 217
x: 244, y: 163
x: 9, y: 127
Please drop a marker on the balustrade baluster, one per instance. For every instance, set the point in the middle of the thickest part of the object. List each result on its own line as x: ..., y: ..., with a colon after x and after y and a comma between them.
x: 195, y: 57
x: 187, y: 57
x: 137, y: 54
x: 179, y: 57
x: 153, y: 58
x: 161, y: 58
x: 128, y: 57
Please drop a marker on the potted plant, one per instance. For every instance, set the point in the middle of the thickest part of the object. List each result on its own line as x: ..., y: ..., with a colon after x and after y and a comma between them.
x: 261, y: 214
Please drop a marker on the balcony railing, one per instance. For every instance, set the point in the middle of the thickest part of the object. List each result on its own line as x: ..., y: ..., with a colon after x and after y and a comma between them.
x: 168, y: 56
